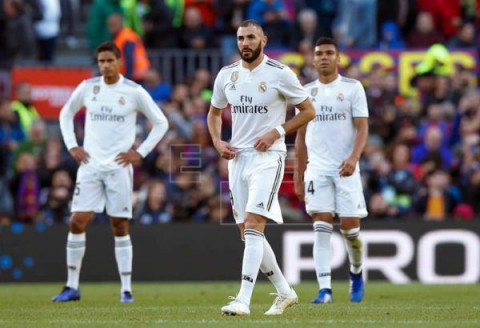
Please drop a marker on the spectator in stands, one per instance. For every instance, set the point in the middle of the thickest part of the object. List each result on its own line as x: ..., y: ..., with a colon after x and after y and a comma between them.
x: 275, y: 21
x: 34, y: 8
x: 216, y: 211
x: 424, y: 34
x: 207, y: 9
x: 11, y: 134
x: 306, y: 30
x: 471, y: 189
x: 326, y: 11
x: 131, y: 16
x: 206, y: 190
x: 355, y: 26
x: 54, y: 158
x: 195, y: 34
x: 160, y: 27
x: 400, y: 12
x: 432, y: 144
x: 183, y: 193
x: 178, y: 111
x: 437, y: 62
x: 25, y: 187
x: 23, y: 108
x: 69, y: 21
x: 159, y: 90
x: 56, y: 207
x: 97, y: 23
x: 436, y: 201
x: 154, y: 208
x: 201, y: 85
x: 437, y: 116
x: 230, y: 13
x: 390, y: 37
x: 401, y: 180
x: 446, y: 14
x: 47, y: 30
x: 34, y: 145
x: 18, y: 33
x: 135, y: 62
x: 464, y: 38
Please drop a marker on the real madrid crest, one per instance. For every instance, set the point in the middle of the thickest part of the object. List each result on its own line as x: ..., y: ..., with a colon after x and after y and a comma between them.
x: 96, y: 89
x: 262, y: 87
x: 313, y: 93
x: 233, y: 78
x: 121, y: 101
x: 340, y: 97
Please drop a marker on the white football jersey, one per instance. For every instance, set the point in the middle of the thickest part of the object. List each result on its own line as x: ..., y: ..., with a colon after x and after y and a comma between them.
x: 331, y: 134
x: 110, y: 121
x: 258, y: 99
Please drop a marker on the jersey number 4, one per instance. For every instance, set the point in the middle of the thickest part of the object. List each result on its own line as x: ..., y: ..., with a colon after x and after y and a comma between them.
x: 310, y: 188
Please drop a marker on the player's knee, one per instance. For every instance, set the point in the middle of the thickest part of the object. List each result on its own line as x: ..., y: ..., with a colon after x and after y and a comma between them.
x: 78, y: 222
x: 120, y: 227
x: 353, y: 235
x: 255, y: 222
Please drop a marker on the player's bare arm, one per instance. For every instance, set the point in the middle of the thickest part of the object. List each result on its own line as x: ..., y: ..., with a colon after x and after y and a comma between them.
x: 214, y: 122
x: 79, y: 154
x: 347, y: 167
x: 129, y: 157
x: 300, y: 163
x: 307, y: 113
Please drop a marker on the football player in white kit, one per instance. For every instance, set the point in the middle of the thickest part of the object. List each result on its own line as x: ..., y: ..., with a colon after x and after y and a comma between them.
x: 327, y: 173
x: 105, y: 175
x: 257, y: 89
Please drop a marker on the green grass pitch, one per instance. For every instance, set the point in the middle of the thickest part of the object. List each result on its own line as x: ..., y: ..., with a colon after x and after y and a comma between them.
x: 198, y: 305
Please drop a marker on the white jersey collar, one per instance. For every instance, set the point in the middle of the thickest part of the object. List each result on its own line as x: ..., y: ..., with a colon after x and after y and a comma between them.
x: 265, y: 58
x: 120, y: 80
x: 334, y: 82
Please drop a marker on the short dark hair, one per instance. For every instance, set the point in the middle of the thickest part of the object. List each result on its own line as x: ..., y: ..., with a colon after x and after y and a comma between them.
x: 109, y: 46
x: 251, y: 22
x: 326, y: 40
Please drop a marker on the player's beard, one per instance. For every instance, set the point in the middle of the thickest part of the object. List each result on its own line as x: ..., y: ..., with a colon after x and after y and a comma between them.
x: 255, y: 53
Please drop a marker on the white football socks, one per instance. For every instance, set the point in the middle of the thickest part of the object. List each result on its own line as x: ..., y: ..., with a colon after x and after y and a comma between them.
x: 322, y: 253
x: 270, y: 268
x: 124, y: 257
x: 252, y: 257
x: 75, y: 252
x: 354, y: 248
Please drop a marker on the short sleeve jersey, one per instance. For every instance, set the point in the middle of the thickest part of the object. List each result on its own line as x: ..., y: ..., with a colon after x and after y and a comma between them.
x: 330, y: 135
x: 110, y: 122
x: 258, y: 99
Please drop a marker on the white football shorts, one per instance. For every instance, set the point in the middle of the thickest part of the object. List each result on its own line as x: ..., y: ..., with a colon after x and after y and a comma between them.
x: 335, y: 194
x: 254, y: 179
x: 98, y: 190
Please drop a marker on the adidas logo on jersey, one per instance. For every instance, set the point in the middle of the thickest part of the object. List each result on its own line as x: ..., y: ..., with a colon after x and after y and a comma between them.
x: 233, y: 87
x: 260, y: 205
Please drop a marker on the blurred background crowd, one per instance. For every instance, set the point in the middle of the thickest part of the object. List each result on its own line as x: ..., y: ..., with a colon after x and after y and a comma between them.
x: 422, y: 161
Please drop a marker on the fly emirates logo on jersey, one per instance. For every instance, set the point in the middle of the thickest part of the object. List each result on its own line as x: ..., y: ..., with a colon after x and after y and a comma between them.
x: 327, y: 114
x: 246, y: 107
x: 106, y: 115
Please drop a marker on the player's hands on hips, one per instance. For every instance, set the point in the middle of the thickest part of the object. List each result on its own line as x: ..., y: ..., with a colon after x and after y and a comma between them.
x: 129, y: 157
x: 348, y: 167
x: 266, y: 141
x: 224, y: 149
x: 79, y: 154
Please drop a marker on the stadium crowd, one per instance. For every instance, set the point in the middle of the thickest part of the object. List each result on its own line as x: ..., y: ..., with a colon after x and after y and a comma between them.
x: 422, y: 161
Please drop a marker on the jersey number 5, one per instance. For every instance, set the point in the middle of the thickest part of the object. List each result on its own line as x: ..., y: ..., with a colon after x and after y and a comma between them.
x: 310, y: 188
x: 76, y: 192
